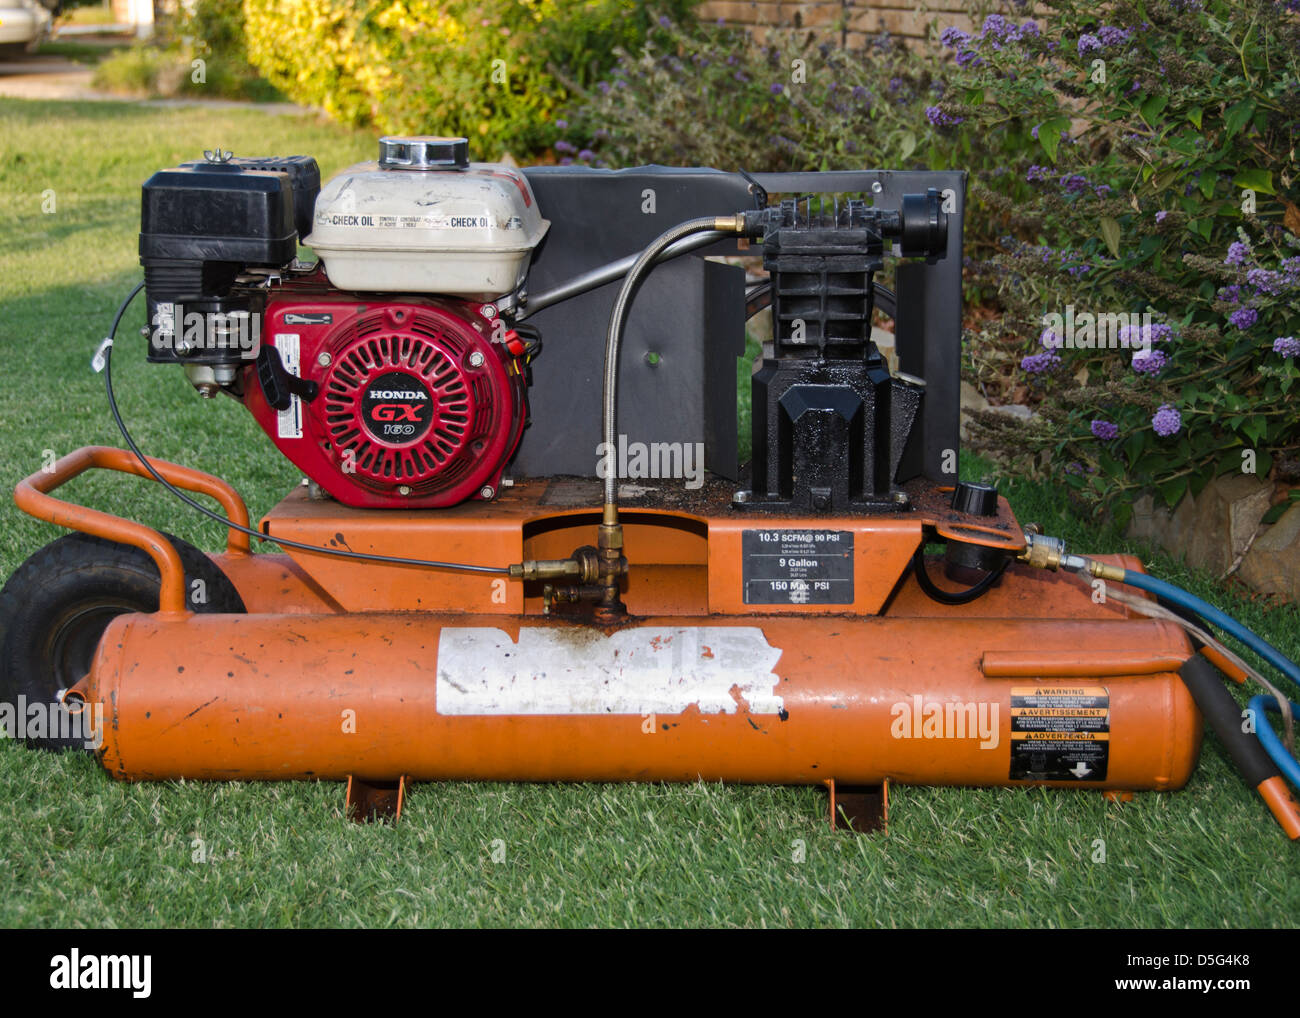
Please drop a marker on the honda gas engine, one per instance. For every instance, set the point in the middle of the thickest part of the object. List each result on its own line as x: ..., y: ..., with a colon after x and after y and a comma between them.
x: 396, y: 370
x: 384, y: 372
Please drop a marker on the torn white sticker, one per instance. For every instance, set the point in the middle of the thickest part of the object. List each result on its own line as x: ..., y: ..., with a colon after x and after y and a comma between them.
x: 653, y: 670
x: 288, y: 422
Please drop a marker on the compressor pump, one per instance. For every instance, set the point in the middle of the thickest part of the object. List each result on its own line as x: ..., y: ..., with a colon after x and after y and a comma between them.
x: 478, y: 571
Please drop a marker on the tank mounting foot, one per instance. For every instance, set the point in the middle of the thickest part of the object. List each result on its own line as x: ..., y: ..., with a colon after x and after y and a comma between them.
x: 368, y: 801
x: 863, y: 809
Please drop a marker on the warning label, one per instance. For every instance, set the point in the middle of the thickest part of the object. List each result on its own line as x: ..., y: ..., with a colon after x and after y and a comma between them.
x: 798, y: 566
x: 1060, y: 733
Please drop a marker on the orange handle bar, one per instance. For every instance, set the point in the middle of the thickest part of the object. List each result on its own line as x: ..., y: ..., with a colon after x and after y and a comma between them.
x: 33, y: 497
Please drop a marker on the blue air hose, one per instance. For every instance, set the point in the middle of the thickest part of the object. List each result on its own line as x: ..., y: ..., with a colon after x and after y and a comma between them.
x: 1181, y: 598
x: 1285, y: 762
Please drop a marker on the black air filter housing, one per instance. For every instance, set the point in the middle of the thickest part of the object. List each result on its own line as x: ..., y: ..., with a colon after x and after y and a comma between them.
x: 218, y: 212
x: 304, y: 179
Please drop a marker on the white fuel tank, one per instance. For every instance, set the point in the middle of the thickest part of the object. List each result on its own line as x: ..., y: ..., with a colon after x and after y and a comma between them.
x: 423, y: 219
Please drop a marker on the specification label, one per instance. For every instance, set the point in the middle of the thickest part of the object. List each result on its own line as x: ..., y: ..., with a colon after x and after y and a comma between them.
x: 1060, y: 733
x: 798, y: 566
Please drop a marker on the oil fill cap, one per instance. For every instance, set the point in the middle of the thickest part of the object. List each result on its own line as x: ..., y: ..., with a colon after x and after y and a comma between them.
x: 423, y: 152
x: 975, y: 499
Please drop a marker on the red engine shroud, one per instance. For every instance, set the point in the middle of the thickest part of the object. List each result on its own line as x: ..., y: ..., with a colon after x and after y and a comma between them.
x: 417, y: 406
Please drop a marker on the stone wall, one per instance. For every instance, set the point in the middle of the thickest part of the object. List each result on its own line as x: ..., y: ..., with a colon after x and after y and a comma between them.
x: 1221, y: 531
x: 847, y: 22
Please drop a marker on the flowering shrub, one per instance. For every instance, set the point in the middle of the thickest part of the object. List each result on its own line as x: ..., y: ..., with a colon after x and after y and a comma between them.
x: 486, y: 69
x: 706, y: 95
x: 1159, y: 150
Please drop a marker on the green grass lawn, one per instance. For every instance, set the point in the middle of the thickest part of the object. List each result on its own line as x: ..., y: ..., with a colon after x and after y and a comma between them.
x: 79, y: 849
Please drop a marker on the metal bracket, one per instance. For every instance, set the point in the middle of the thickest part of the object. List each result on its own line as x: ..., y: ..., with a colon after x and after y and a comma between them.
x: 863, y: 809
x: 368, y: 801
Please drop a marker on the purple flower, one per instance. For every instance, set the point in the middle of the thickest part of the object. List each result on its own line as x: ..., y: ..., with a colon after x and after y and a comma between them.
x: 586, y: 155
x: 1149, y: 362
x: 1264, y: 281
x: 1135, y: 337
x: 1244, y: 318
x: 564, y: 146
x: 1036, y: 172
x: 603, y: 86
x: 1105, y: 430
x: 895, y: 84
x: 567, y: 161
x: 969, y: 58
x: 939, y: 118
x: 1286, y: 346
x: 1037, y: 363
x: 1072, y: 183
x: 1160, y: 216
x: 664, y: 21
x: 561, y: 124
x: 776, y: 88
x: 1112, y: 36
x: 1167, y: 421
x: 1029, y: 29
x: 953, y: 37
x: 999, y: 29
x: 1088, y: 43
x: 1237, y: 254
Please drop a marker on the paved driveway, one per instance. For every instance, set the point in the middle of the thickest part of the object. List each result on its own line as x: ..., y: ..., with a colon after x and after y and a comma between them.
x: 46, y: 77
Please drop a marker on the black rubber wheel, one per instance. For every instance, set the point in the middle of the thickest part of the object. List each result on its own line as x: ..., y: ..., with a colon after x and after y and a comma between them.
x: 57, y: 604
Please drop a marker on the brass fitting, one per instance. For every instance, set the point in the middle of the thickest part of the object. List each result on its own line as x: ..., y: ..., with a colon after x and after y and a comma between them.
x: 583, y: 565
x: 612, y: 565
x: 1049, y: 553
x: 1042, y: 552
x: 1104, y: 571
x: 546, y: 569
x: 590, y: 574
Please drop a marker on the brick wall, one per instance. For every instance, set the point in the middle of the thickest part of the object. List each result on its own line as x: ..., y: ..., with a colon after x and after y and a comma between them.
x: 848, y: 22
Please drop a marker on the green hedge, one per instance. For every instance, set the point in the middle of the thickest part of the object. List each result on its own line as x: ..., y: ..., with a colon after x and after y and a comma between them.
x: 495, y: 71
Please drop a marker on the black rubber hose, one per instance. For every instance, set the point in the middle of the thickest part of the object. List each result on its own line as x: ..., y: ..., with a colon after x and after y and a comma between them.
x: 1224, y: 715
x: 935, y: 593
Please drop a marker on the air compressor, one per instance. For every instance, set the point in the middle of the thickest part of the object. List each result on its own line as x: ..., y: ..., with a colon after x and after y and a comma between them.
x: 526, y: 546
